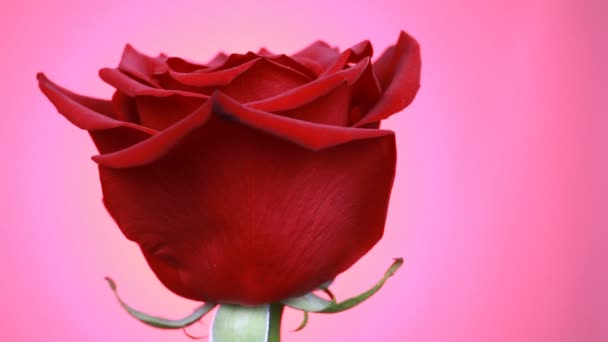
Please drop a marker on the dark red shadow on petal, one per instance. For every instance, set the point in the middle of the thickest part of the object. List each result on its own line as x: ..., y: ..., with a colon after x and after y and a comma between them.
x: 125, y: 108
x: 161, y: 112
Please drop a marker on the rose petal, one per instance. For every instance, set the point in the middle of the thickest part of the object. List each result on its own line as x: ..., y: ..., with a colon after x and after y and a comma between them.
x: 329, y: 109
x: 351, y: 55
x: 306, y: 134
x: 366, y: 91
x: 316, y: 68
x: 293, y: 64
x: 250, y: 218
x: 264, y: 79
x: 261, y: 77
x: 319, y: 52
x: 234, y: 59
x: 398, y: 71
x: 264, y: 52
x: 212, y: 79
x: 218, y: 60
x: 182, y: 65
x: 310, y: 91
x: 169, y: 276
x: 125, y: 107
x: 133, y: 88
x: 86, y: 113
x: 141, y: 66
x: 158, y: 145
x: 161, y: 112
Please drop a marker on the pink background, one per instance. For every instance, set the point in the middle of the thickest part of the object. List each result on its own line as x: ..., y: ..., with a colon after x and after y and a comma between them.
x: 499, y: 206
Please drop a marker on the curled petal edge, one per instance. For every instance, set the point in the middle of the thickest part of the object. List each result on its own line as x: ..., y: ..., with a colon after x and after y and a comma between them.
x: 72, y: 107
x: 403, y: 86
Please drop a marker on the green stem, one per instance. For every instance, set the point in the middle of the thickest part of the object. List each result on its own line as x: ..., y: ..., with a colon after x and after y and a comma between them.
x: 276, y: 315
x: 237, y: 323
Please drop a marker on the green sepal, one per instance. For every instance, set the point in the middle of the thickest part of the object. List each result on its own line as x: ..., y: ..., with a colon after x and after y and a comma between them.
x: 304, y: 322
x: 326, y: 285
x: 312, y: 303
x: 159, y: 322
x: 309, y: 302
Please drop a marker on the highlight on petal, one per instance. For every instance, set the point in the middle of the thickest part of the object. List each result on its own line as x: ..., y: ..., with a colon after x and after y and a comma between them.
x: 86, y: 113
x: 398, y: 72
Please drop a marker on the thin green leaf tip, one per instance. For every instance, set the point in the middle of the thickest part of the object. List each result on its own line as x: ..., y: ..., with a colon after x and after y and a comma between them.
x: 313, y: 303
x: 160, y: 322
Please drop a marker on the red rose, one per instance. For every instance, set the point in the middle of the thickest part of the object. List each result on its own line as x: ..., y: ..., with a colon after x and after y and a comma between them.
x: 255, y: 177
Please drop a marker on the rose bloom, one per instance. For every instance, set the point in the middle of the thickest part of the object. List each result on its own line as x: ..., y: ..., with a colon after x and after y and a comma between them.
x: 252, y: 178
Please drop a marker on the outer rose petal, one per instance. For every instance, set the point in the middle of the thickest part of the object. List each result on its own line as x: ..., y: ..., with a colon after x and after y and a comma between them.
x: 84, y: 112
x: 398, y: 71
x: 232, y: 214
x: 306, y: 134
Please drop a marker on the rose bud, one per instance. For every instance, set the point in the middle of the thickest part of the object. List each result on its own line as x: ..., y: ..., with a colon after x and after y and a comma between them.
x: 255, y: 177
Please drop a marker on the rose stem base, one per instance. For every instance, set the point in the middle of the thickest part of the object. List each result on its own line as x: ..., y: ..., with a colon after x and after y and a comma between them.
x: 236, y: 323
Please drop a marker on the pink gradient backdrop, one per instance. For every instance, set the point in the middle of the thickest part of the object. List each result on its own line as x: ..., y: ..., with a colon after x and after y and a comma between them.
x: 499, y: 206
